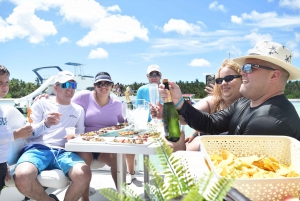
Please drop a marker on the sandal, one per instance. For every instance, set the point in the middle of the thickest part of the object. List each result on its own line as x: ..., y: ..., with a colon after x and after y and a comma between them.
x: 92, y: 191
x: 54, y: 197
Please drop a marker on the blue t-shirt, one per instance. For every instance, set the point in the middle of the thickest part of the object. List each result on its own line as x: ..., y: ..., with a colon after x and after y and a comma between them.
x: 143, y: 93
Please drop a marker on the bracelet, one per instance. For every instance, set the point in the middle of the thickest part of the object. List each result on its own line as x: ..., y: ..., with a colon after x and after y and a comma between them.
x: 179, y: 102
x: 46, y: 125
x: 195, y: 134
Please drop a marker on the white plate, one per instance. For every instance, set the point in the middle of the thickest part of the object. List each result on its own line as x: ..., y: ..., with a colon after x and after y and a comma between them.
x: 127, y: 144
x: 80, y: 140
x: 115, y: 132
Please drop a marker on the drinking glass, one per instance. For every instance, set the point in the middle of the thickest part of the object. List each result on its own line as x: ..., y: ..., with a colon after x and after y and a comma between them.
x: 154, y: 96
x: 124, y: 111
x: 140, y: 114
x: 127, y: 113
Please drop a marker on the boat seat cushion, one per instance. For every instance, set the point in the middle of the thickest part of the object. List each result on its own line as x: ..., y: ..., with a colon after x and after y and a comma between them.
x: 48, y: 178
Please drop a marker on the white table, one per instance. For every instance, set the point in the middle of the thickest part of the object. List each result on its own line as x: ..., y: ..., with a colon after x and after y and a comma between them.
x: 120, y: 150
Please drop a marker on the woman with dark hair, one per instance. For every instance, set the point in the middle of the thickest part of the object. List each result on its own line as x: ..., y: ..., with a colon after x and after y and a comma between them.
x: 102, y: 110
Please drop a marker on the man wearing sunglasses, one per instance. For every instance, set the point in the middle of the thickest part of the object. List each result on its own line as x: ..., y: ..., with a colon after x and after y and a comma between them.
x: 154, y: 77
x: 264, y: 109
x: 45, y: 148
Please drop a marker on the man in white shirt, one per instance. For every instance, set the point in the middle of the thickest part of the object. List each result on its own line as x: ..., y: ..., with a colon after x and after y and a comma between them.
x: 45, y: 147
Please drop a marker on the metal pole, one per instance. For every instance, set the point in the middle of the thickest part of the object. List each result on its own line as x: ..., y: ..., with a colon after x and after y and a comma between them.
x: 146, y: 176
x: 121, y: 171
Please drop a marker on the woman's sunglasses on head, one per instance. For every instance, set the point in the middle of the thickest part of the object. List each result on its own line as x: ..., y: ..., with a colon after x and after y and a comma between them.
x: 227, y: 78
x: 248, y: 68
x: 103, y: 84
x: 154, y: 74
x: 67, y: 85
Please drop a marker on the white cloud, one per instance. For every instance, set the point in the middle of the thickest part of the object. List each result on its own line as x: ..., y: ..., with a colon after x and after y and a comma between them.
x: 181, y: 27
x: 256, y: 16
x: 105, y: 24
x: 270, y: 20
x: 199, y: 63
x: 256, y: 37
x: 235, y: 19
x: 63, y: 40
x: 115, y: 29
x: 217, y: 7
x: 297, y: 37
x: 33, y: 28
x: 293, y: 47
x: 292, y: 4
x: 98, y: 53
x: 234, y: 52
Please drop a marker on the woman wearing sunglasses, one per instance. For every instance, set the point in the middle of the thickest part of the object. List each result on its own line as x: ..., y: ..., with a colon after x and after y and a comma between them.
x: 225, y: 92
x: 102, y: 110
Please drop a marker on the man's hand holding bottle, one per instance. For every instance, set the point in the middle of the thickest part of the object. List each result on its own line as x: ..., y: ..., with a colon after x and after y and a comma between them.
x: 175, y: 91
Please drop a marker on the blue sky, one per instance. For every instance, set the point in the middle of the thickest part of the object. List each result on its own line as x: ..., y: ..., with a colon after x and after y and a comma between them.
x: 187, y: 39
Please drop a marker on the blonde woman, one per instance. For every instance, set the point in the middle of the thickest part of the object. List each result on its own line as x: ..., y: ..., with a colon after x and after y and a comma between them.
x: 226, y: 91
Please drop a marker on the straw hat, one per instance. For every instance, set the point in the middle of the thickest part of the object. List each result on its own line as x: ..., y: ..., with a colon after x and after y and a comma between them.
x: 274, y: 53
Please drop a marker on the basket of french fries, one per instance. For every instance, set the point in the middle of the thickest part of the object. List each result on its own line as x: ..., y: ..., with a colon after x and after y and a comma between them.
x: 264, y: 167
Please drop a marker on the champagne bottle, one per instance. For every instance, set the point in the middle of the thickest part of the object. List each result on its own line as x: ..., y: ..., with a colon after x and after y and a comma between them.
x: 170, y: 117
x: 128, y: 101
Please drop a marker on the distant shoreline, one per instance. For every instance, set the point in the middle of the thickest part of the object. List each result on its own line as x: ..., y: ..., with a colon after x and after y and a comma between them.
x: 295, y: 100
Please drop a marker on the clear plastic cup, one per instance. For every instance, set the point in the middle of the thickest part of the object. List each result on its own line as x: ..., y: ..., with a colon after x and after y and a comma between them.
x: 70, y: 132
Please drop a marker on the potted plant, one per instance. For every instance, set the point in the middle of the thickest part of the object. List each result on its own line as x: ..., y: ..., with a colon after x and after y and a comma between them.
x: 175, y: 182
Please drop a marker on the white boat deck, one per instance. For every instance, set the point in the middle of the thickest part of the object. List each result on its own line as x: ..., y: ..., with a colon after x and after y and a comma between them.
x: 100, y: 179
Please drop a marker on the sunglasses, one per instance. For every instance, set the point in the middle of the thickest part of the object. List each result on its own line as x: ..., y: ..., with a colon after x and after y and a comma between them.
x: 247, y: 68
x: 154, y: 74
x: 102, y: 84
x: 67, y: 85
x: 227, y: 78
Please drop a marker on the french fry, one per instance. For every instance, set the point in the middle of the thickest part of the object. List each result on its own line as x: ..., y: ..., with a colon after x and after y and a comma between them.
x: 29, y: 112
x: 227, y: 164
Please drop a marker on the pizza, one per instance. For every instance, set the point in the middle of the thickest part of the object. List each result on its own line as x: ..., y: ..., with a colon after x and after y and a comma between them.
x: 129, y: 140
x: 93, y: 139
x: 92, y: 133
x: 113, y: 128
x: 129, y: 132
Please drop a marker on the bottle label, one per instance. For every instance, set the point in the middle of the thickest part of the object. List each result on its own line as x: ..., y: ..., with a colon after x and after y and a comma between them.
x: 166, y: 128
x: 169, y: 99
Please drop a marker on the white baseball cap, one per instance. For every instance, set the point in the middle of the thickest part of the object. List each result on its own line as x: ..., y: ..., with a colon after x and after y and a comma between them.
x: 64, y: 76
x: 153, y: 67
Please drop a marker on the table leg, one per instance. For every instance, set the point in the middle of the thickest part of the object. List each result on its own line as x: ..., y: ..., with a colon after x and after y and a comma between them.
x: 146, y: 176
x: 121, y: 171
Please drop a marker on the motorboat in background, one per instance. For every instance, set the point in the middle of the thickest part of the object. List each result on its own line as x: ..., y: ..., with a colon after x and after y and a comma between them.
x: 85, y: 82
x: 189, y: 98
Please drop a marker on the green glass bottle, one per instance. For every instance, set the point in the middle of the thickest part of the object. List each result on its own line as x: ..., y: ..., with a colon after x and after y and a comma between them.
x: 128, y: 101
x: 170, y: 117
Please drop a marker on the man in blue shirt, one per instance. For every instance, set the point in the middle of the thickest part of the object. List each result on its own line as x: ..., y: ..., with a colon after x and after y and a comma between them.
x: 154, y: 77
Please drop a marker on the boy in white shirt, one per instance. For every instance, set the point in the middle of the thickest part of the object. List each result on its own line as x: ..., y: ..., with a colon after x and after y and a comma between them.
x: 7, y: 136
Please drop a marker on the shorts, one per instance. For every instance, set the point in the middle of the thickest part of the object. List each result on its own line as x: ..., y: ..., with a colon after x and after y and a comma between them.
x: 3, y: 171
x: 95, y: 155
x: 49, y: 159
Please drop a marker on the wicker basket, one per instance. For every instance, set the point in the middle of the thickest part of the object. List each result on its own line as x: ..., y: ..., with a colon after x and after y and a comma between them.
x: 285, y: 149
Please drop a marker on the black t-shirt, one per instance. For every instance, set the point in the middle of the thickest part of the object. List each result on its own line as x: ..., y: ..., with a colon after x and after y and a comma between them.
x: 276, y: 116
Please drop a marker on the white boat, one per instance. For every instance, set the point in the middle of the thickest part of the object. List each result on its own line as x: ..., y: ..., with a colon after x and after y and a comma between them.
x: 85, y: 82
